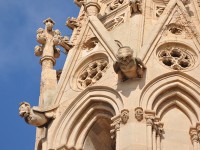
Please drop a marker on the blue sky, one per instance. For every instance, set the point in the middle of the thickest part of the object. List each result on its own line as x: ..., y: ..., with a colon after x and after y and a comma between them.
x: 19, y: 68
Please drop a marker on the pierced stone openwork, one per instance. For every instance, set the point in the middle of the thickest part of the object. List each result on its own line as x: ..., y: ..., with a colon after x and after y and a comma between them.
x: 176, y: 56
x: 92, y: 73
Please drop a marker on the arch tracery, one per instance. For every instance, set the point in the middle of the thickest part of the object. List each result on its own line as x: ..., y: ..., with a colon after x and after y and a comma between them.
x: 94, y: 103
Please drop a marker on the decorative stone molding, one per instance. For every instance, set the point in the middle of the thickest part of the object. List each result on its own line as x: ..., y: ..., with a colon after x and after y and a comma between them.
x: 128, y: 66
x: 76, y: 25
x: 115, y: 22
x: 115, y: 4
x: 193, y: 135
x: 124, y: 116
x: 92, y: 8
x: 159, y: 10
x: 90, y: 43
x: 34, y: 116
x: 92, y: 73
x: 115, y: 126
x: 117, y: 120
x: 135, y: 6
x: 176, y: 56
x: 149, y: 116
x: 139, y: 113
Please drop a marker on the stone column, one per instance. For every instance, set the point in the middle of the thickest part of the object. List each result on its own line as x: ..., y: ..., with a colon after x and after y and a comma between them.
x: 149, y: 121
x: 198, y: 134
x: 194, y: 138
x: 159, y: 135
x: 92, y: 7
x: 115, y: 131
x: 154, y: 136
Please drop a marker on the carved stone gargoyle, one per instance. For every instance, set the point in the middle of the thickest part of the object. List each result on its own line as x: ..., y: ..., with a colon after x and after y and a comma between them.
x: 128, y: 66
x: 72, y: 23
x: 36, y: 116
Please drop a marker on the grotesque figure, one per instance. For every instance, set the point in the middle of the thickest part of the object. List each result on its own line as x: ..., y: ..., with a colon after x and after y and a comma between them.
x: 33, y: 116
x: 135, y: 6
x: 124, y: 116
x: 72, y: 23
x: 139, y: 113
x: 128, y: 66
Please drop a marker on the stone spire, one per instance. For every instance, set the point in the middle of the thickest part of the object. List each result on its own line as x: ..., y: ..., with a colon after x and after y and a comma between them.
x: 49, y: 39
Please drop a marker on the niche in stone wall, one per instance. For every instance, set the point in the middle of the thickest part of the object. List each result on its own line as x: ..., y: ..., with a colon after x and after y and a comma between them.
x: 99, y: 137
x: 176, y: 128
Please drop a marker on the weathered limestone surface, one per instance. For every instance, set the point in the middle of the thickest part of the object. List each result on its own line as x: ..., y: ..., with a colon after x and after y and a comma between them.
x: 153, y: 46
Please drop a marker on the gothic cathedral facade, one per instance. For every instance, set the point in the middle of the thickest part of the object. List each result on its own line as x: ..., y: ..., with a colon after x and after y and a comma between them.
x: 130, y: 80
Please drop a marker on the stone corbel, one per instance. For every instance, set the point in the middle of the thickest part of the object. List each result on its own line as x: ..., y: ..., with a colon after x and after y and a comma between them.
x: 139, y: 113
x: 149, y: 116
x: 36, y: 116
x: 193, y: 135
x: 124, y: 116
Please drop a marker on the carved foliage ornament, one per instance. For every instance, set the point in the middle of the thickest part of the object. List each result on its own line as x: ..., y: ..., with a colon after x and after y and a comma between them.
x: 49, y: 39
x: 176, y: 57
x: 115, y: 4
x: 114, y: 22
x: 92, y: 72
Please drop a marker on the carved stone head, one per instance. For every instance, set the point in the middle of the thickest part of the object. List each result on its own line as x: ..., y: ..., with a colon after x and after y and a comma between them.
x: 124, y: 115
x: 139, y: 113
x: 24, y: 109
x: 124, y: 55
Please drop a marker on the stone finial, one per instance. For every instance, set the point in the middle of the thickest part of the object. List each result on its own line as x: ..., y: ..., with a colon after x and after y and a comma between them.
x: 49, y: 39
x: 139, y: 113
x: 127, y: 66
x: 92, y: 7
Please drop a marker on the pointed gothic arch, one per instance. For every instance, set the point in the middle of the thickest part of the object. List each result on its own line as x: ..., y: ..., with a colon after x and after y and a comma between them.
x: 93, y: 103
x: 180, y: 90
